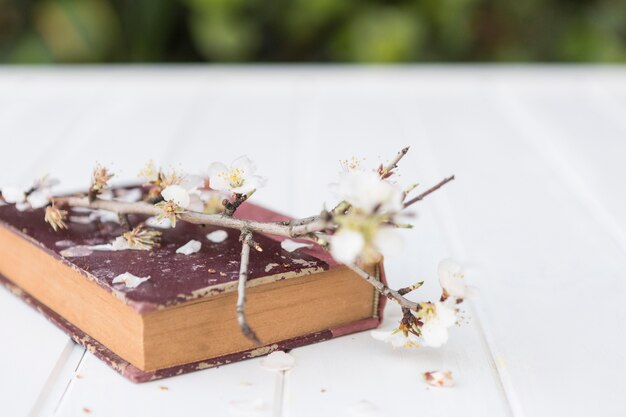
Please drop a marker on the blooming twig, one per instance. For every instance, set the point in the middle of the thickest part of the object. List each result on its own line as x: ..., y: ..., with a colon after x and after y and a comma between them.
x: 357, y: 232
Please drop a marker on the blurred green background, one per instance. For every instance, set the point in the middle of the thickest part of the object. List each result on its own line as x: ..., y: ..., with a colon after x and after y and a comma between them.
x: 117, y: 31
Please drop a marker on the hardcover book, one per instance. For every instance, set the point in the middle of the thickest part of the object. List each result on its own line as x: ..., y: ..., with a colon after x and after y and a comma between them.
x: 181, y: 316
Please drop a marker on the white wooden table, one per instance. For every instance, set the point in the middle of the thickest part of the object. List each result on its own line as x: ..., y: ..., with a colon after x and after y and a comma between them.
x: 538, y: 211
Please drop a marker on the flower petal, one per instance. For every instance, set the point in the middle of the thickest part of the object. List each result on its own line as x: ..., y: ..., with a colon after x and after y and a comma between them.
x: 388, y: 241
x: 130, y: 280
x: 177, y: 194
x: 245, y: 164
x: 190, y: 247
x: 346, y: 245
x: 451, y: 279
x: 217, y: 168
x: 13, y: 195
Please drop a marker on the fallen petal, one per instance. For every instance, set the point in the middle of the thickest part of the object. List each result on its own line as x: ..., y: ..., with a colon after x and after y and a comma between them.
x: 217, y: 236
x: 438, y: 378
x: 190, y: 247
x: 130, y: 280
x: 278, y: 361
x: 76, y: 251
x: 290, y: 245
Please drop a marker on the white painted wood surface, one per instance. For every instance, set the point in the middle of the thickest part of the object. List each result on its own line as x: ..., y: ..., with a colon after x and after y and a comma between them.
x: 537, y: 211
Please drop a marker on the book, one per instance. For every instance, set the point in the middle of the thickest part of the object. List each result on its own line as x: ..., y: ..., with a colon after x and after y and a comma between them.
x: 183, y: 317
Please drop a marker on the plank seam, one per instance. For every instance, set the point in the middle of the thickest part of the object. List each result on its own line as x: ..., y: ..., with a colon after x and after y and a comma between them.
x: 446, y: 219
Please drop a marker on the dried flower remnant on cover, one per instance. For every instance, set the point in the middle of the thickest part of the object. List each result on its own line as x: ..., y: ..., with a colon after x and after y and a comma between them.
x: 56, y: 217
x: 99, y: 181
x: 363, y: 227
x: 142, y: 238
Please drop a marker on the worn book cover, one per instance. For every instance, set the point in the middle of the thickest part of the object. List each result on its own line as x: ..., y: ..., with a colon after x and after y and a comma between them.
x: 182, y: 317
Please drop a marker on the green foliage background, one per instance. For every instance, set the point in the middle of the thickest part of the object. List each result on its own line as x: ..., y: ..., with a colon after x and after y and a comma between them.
x: 312, y: 31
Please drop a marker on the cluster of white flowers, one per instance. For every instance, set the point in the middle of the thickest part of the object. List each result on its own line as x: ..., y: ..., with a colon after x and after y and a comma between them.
x: 366, y: 231
x: 188, y: 193
x: 238, y: 178
x: 34, y: 197
x: 434, y: 318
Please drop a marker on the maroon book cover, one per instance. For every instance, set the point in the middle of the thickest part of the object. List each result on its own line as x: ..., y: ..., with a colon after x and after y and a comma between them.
x: 175, y: 278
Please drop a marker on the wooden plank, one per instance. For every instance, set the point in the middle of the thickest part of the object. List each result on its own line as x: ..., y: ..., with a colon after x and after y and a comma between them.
x: 544, y: 258
x: 36, y: 352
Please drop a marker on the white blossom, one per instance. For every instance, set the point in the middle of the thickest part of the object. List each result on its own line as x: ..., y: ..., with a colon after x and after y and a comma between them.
x: 190, y: 247
x: 396, y: 337
x: 39, y: 198
x: 149, y: 172
x: 177, y: 194
x: 437, y: 318
x: 452, y: 279
x: 387, y: 241
x: 13, y: 195
x: 346, y: 245
x: 367, y: 242
x: 34, y: 197
x: 238, y: 178
x: 365, y: 191
x: 364, y: 232
x: 130, y: 280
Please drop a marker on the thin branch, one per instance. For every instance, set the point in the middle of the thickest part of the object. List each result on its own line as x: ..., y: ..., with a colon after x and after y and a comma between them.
x: 383, y: 289
x: 429, y: 191
x: 272, y: 228
x: 246, y: 239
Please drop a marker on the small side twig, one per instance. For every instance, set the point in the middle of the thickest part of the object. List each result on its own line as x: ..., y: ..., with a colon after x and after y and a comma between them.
x: 429, y: 191
x: 230, y: 208
x: 246, y: 240
x: 406, y: 290
x: 385, y: 171
x: 124, y: 221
